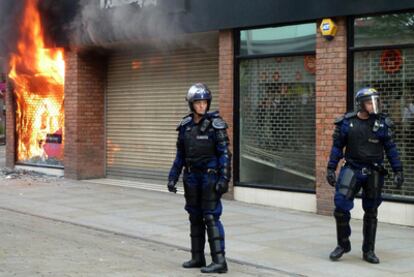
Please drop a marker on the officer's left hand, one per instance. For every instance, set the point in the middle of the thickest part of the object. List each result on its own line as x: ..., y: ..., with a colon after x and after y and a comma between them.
x: 331, y: 177
x: 171, y: 187
x: 398, y: 179
x: 222, y: 186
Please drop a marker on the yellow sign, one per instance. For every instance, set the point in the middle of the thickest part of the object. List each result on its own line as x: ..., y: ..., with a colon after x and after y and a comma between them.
x: 328, y: 28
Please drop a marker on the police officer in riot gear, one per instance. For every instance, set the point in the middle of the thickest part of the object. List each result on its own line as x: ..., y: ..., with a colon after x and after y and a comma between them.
x: 203, y: 152
x: 365, y: 134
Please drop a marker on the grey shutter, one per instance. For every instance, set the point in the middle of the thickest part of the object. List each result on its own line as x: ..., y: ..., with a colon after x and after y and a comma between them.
x: 145, y: 100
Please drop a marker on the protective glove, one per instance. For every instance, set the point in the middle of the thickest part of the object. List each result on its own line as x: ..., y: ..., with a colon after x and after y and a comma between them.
x: 398, y: 179
x: 331, y: 177
x: 222, y: 186
x: 172, y: 186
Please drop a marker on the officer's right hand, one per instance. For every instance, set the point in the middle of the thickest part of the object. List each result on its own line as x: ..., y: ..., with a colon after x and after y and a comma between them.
x: 222, y: 186
x: 171, y: 186
x: 398, y: 179
x: 331, y: 177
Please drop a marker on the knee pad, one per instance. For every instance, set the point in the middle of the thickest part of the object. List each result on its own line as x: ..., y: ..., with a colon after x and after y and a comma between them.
x: 342, y: 216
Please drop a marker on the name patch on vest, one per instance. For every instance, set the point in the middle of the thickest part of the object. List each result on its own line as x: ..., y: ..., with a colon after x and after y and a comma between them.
x: 202, y: 137
x: 373, y: 140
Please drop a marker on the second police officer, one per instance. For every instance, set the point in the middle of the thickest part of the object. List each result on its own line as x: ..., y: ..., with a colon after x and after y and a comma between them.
x: 203, y: 152
x: 365, y: 134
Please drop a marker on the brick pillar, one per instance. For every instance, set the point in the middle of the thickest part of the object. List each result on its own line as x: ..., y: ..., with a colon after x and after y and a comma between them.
x: 331, y: 92
x: 226, y: 80
x: 10, y: 129
x: 84, y: 115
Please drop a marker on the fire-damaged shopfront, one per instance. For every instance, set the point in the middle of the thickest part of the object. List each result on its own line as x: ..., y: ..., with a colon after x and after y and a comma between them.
x: 106, y: 98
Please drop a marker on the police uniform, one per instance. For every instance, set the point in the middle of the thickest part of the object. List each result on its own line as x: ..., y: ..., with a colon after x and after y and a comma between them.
x: 203, y: 152
x: 365, y: 141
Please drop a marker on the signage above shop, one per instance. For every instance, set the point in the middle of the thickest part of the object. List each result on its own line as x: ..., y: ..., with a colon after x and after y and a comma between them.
x: 140, y: 3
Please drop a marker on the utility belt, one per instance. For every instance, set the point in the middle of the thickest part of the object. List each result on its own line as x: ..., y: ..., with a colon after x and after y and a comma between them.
x: 192, y: 169
x: 367, y: 169
x: 374, y: 173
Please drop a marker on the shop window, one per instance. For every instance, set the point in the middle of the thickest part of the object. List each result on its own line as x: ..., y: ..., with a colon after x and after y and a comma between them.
x: 389, y: 29
x: 277, y: 122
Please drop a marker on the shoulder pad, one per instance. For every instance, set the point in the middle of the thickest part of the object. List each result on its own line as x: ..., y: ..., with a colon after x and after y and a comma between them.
x: 213, y: 114
x: 388, y: 122
x: 184, y: 121
x: 339, y: 119
x: 350, y: 115
x: 219, y: 123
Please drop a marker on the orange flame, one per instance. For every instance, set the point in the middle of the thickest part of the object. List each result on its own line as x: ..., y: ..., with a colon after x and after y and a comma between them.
x: 38, y: 77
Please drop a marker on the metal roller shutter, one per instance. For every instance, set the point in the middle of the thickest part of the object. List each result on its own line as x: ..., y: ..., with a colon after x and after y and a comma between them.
x: 145, y: 101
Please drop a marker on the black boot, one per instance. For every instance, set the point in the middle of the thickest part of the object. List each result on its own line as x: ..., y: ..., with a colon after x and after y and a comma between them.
x: 198, y: 239
x: 218, y: 264
x: 371, y: 257
x: 342, y: 235
x: 369, y: 232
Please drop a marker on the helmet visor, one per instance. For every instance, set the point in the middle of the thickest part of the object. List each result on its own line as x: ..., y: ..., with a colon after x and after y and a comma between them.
x: 372, y: 104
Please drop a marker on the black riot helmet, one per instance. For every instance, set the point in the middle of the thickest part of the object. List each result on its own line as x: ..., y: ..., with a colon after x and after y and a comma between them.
x: 368, y: 94
x: 196, y: 92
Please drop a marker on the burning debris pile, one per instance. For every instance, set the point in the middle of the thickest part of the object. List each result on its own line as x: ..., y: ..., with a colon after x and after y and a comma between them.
x: 37, y: 76
x: 26, y: 175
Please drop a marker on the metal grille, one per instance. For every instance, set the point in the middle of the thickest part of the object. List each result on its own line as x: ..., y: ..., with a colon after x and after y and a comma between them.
x: 392, y: 73
x: 277, y: 108
x: 146, y: 100
x: 39, y: 124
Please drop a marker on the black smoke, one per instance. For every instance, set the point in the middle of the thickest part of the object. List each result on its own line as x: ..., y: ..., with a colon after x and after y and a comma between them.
x: 10, y: 17
x: 94, y: 25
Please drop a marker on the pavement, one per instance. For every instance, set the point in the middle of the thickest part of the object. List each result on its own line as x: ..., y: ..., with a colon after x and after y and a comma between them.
x: 284, y: 242
x: 64, y: 249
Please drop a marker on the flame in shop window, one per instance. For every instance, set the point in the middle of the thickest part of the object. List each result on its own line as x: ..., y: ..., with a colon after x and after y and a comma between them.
x: 37, y: 74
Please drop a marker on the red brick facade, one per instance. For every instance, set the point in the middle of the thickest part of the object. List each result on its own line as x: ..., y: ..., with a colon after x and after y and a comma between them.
x: 331, y: 91
x: 226, y: 83
x: 84, y: 115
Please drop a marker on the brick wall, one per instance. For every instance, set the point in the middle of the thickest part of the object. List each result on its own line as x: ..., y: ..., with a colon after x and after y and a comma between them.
x: 10, y: 130
x: 226, y: 79
x: 331, y: 90
x: 84, y: 115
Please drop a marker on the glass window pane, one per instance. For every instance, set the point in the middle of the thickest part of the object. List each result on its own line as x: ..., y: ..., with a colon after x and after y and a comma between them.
x: 277, y: 122
x: 389, y: 29
x: 391, y: 72
x: 287, y: 39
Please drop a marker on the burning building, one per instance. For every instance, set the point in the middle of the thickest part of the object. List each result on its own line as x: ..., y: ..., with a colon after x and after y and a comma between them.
x: 107, y: 105
x: 37, y: 79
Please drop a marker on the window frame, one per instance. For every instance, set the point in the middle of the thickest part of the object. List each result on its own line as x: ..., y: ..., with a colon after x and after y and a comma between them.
x: 236, y: 106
